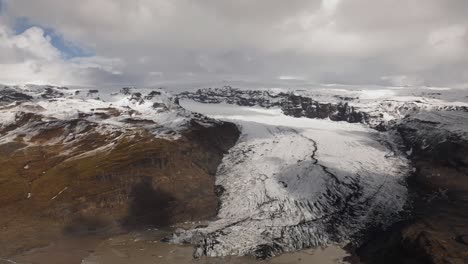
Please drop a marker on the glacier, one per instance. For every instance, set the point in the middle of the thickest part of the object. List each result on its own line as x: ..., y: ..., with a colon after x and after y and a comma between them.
x: 293, y: 183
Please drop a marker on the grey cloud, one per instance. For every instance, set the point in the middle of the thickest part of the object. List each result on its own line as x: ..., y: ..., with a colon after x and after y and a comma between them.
x: 357, y: 42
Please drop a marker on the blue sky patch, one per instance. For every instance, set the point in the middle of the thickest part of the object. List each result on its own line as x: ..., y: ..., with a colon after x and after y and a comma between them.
x: 68, y: 49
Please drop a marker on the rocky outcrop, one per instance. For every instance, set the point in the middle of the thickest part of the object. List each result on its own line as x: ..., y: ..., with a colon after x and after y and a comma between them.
x: 438, y: 149
x: 437, y: 230
x: 9, y: 95
x: 290, y: 103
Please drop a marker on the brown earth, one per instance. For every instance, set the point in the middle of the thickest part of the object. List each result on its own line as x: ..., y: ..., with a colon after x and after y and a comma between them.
x: 68, y: 180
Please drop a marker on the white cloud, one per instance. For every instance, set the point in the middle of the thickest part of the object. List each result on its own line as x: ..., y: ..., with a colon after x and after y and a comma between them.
x: 330, y: 5
x: 448, y: 43
x: 404, y: 80
x: 32, y: 43
x: 290, y: 78
x: 30, y: 57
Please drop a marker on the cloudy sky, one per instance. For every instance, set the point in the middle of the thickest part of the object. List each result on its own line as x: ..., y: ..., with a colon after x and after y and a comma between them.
x: 144, y: 42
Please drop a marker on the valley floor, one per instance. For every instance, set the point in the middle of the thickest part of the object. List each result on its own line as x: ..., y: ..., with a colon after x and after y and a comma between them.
x: 134, y: 248
x: 145, y: 248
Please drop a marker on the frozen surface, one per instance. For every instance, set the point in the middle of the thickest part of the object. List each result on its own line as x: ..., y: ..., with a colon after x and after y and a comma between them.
x: 292, y: 183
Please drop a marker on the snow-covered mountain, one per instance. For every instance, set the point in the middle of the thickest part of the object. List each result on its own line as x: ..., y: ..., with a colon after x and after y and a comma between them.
x: 311, y: 167
x: 153, y: 109
x: 79, y: 161
x: 375, y: 107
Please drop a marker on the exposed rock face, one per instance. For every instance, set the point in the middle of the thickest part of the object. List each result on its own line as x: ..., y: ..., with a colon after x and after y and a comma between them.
x: 379, y: 114
x: 9, y: 95
x: 88, y: 170
x: 438, y: 147
x: 291, y: 104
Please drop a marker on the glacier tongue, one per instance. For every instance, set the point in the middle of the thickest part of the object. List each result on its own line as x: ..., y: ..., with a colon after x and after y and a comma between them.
x: 292, y: 183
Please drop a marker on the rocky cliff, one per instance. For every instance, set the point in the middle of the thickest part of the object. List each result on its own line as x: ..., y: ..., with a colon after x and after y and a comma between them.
x: 291, y: 103
x: 437, y: 231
